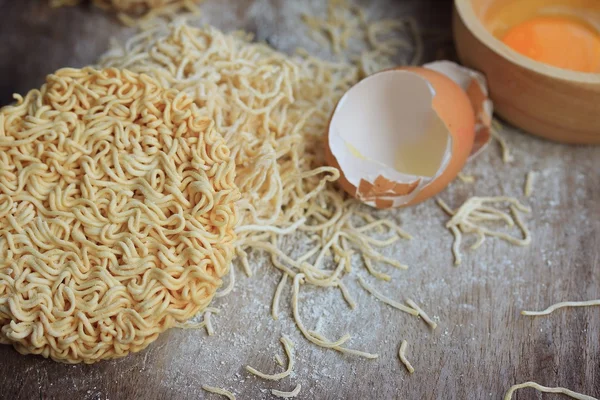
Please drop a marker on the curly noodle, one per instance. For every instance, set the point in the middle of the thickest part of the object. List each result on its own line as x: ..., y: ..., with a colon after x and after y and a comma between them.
x: 117, y: 214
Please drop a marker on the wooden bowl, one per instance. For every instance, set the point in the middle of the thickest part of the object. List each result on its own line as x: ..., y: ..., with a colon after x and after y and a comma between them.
x: 551, y: 102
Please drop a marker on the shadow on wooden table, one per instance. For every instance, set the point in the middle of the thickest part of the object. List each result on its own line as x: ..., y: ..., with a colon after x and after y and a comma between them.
x: 38, y: 39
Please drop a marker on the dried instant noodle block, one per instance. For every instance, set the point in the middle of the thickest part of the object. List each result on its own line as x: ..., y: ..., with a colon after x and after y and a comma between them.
x: 117, y: 214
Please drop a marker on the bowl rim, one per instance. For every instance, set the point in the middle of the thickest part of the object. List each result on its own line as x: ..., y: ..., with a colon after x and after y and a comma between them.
x: 466, y: 13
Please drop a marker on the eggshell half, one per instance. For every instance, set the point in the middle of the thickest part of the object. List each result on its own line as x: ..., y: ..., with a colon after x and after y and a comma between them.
x: 475, y: 85
x: 400, y: 136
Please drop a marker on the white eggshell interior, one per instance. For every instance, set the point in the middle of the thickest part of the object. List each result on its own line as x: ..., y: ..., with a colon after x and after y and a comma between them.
x: 386, y: 126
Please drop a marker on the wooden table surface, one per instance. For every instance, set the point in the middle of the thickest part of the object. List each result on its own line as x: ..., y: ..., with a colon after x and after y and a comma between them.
x: 482, y: 345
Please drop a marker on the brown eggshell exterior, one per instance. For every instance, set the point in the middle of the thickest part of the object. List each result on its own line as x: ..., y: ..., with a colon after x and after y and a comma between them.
x: 454, y: 108
x: 483, y: 133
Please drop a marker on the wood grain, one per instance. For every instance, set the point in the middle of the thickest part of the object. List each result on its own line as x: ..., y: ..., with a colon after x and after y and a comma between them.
x: 550, y: 102
x: 482, y: 346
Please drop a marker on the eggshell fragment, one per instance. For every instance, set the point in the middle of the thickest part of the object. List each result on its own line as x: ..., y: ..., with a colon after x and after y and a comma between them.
x: 400, y: 136
x: 475, y: 85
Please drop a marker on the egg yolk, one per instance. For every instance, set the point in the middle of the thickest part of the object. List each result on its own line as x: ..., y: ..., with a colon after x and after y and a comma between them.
x: 559, y: 41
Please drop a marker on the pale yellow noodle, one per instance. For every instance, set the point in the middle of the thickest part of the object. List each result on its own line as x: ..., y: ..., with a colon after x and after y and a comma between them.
x: 383, y: 39
x: 277, y: 296
x: 529, y: 181
x: 287, y: 395
x: 456, y: 245
x: 310, y: 337
x: 545, y: 389
x: 347, y: 297
x: 564, y: 304
x: 445, y: 207
x: 377, y: 274
x: 206, y: 322
x: 497, y: 127
x: 466, y: 178
x: 227, y: 290
x: 272, y: 110
x: 476, y: 211
x: 387, y: 300
x: 402, y: 356
x: 220, y: 391
x: 422, y: 314
x: 344, y: 350
x: 119, y: 214
x: 210, y: 330
x: 278, y: 360
x: 288, y: 346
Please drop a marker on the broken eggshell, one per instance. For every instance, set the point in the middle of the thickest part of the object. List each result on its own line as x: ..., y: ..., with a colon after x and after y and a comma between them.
x: 475, y: 85
x: 401, y: 136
